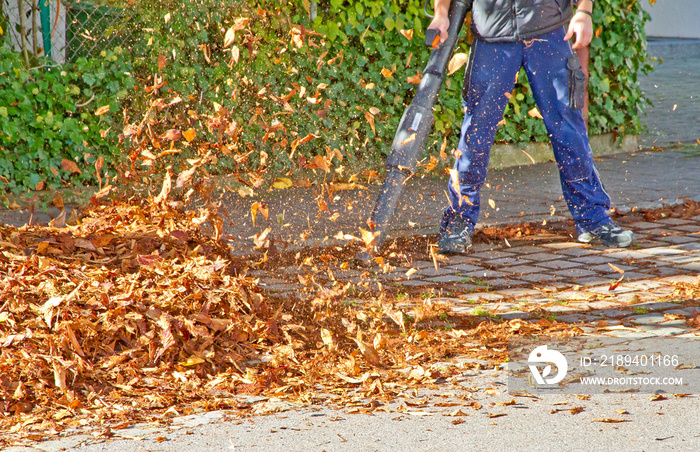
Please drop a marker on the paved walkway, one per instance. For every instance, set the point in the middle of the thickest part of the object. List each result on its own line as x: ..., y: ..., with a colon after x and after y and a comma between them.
x: 675, y: 95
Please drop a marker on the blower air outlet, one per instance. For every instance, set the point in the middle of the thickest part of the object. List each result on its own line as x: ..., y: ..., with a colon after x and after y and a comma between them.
x: 416, y: 121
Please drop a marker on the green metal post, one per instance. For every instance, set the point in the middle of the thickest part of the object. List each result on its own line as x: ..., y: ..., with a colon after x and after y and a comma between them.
x: 45, y: 15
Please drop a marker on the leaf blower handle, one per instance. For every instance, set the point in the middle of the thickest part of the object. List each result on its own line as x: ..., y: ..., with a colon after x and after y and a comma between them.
x: 432, y: 37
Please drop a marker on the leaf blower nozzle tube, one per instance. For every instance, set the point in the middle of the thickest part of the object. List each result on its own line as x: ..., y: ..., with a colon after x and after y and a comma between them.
x: 414, y: 128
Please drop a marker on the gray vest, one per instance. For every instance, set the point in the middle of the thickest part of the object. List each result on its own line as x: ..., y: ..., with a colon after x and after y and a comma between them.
x: 516, y: 20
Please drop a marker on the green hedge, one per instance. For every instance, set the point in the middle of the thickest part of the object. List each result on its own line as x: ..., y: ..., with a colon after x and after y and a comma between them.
x: 345, y: 78
x: 59, y: 126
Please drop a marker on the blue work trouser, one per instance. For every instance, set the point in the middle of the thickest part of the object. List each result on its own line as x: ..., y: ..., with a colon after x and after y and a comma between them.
x: 489, y: 80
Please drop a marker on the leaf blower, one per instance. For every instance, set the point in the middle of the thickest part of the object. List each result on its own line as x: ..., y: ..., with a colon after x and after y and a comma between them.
x: 414, y: 128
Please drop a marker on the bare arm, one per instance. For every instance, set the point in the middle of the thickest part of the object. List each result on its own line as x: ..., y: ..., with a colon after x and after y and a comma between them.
x: 580, y: 25
x: 441, y: 21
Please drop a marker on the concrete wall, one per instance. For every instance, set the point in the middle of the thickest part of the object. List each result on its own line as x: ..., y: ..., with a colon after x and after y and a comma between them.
x: 673, y: 18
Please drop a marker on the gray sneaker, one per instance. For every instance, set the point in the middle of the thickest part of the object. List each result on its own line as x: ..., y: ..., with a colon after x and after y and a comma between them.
x: 455, y: 238
x: 609, y: 234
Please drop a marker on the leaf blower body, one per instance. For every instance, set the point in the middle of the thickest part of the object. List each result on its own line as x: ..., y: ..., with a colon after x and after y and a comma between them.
x: 414, y: 128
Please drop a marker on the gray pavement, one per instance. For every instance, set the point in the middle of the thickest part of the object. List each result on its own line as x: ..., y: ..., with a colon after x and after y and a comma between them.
x: 542, y: 277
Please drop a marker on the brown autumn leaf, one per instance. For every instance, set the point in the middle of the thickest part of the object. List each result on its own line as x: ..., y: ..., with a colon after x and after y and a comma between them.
x: 322, y: 162
x: 171, y: 135
x: 58, y: 201
x: 59, y: 221
x: 535, y: 113
x: 370, y: 120
x: 299, y: 141
x: 281, y: 183
x: 615, y: 284
x: 229, y: 37
x: 185, y: 177
x: 456, y: 62
x: 189, y: 134
x: 616, y: 268
x: 70, y: 165
x: 415, y: 79
x: 165, y: 189
x: 368, y: 237
x: 102, y: 110
x: 369, y: 352
x: 408, y: 34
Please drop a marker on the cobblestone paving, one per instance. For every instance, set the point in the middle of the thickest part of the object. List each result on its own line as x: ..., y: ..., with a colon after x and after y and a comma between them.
x: 566, y: 281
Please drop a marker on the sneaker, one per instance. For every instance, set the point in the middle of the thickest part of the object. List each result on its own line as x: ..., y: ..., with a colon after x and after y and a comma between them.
x: 456, y: 237
x: 609, y: 234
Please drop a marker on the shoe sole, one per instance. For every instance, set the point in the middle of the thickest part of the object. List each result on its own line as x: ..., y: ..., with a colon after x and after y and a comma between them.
x: 588, y: 238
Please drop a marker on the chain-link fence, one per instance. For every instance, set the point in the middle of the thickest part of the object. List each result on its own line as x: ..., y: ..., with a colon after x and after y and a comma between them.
x: 65, y: 29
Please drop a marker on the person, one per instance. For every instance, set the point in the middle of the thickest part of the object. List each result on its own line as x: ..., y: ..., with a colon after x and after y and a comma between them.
x: 534, y: 35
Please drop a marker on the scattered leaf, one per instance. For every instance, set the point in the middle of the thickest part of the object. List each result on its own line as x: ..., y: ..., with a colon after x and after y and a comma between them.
x: 102, y: 110
x: 458, y: 60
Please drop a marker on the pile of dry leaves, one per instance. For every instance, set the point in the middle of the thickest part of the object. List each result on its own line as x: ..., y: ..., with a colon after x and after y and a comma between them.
x: 132, y: 314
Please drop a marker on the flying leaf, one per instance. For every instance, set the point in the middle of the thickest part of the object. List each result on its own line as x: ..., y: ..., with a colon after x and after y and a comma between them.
x: 171, y: 135
x: 535, y: 113
x: 327, y: 338
x: 322, y: 162
x: 184, y: 177
x: 396, y: 316
x: 617, y: 269
x: 454, y: 182
x: 408, y: 34
x: 492, y: 203
x: 189, y: 134
x: 458, y: 60
x: 58, y: 202
x: 614, y: 285
x: 261, y: 240
x: 369, y: 352
x: 299, y: 141
x: 415, y: 79
x: 386, y: 72
x: 229, y: 37
x: 70, y: 165
x: 102, y: 110
x: 370, y: 120
x: 368, y: 237
x: 165, y: 191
